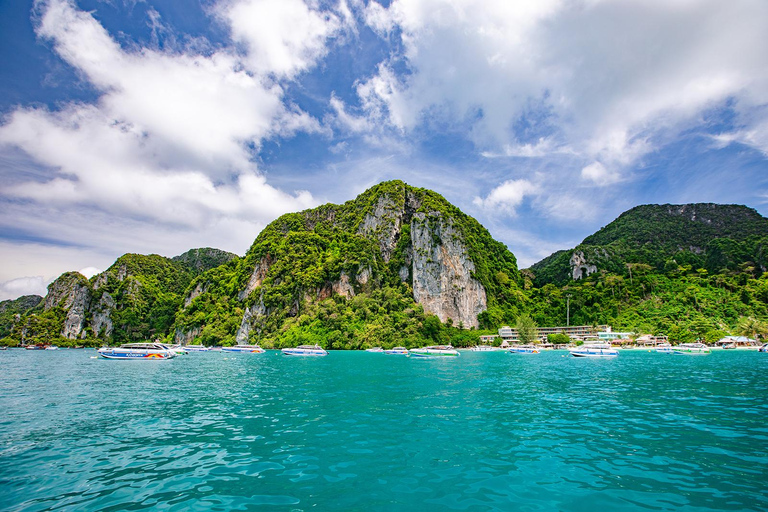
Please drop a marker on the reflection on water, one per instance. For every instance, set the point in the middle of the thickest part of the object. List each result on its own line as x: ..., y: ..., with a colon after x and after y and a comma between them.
x: 353, y: 431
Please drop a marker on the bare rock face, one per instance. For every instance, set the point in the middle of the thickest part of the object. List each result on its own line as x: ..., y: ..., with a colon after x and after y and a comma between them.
x: 186, y: 337
x: 384, y: 223
x: 343, y: 287
x: 101, y: 321
x: 257, y: 277
x: 199, y: 290
x: 580, y: 267
x: 442, y: 272
x: 72, y: 292
x: 250, y: 318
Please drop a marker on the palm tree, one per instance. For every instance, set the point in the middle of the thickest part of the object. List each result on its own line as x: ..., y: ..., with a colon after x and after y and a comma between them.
x: 751, y: 327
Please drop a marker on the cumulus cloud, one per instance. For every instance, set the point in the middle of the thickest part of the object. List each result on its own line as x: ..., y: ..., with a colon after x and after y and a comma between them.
x: 172, y: 136
x: 598, y: 174
x: 611, y: 81
x: 507, y: 196
x: 33, y: 285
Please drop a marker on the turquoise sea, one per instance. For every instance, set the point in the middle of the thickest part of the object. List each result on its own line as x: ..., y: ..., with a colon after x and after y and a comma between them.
x: 366, y: 431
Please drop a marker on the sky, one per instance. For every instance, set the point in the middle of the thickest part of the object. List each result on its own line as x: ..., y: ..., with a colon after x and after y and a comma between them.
x: 157, y: 126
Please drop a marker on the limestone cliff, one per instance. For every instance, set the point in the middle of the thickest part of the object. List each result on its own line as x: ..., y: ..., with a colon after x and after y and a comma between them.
x: 72, y: 293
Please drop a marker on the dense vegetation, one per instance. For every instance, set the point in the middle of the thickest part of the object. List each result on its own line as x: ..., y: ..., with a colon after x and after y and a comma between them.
x: 341, y: 276
x: 688, y: 271
x: 304, y: 255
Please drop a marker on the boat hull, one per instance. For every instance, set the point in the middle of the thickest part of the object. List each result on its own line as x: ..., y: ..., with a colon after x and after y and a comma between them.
x: 434, y: 353
x: 304, y: 352
x: 243, y: 349
x: 135, y: 354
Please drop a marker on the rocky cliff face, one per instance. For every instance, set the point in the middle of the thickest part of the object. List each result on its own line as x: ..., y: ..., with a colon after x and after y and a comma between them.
x: 442, y: 272
x: 72, y: 293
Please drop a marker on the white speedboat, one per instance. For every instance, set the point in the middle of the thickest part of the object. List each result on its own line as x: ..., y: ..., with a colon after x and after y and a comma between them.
x: 51, y: 347
x: 692, y: 349
x: 397, y: 351
x: 524, y: 349
x: 176, y: 349
x: 435, y: 351
x: 764, y: 348
x: 305, y: 350
x: 137, y: 351
x: 594, y: 350
x: 374, y: 349
x: 197, y: 348
x: 664, y: 348
x: 250, y: 349
x: 483, y: 348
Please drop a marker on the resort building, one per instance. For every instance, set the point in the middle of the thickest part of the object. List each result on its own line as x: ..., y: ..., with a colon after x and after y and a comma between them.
x: 646, y: 340
x: 575, y: 332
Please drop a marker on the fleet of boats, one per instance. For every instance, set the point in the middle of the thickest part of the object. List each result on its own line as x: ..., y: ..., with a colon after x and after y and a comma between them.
x: 157, y: 350
x: 305, y: 350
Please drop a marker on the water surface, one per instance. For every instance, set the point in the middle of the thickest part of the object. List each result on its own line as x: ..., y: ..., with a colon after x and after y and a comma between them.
x: 367, y: 431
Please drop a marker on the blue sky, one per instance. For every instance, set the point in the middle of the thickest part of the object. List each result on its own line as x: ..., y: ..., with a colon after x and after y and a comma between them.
x: 159, y: 126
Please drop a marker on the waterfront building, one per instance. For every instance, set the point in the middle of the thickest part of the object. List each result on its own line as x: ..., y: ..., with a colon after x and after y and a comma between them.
x: 577, y: 332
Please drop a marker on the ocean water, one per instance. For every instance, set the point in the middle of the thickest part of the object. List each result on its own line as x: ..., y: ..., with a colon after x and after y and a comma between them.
x: 366, y: 431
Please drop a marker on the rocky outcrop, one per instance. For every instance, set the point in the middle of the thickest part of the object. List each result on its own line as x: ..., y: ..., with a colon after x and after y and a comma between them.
x: 196, y: 292
x: 186, y: 337
x: 72, y: 293
x: 204, y: 258
x: 580, y: 267
x: 101, y: 322
x: 343, y: 287
x: 250, y: 318
x: 442, y: 272
x: 383, y: 222
x: 257, y: 277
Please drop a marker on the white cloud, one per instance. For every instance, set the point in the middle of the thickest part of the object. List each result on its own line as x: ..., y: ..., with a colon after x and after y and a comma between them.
x: 33, y: 285
x: 507, y: 196
x: 282, y: 37
x: 598, y: 174
x: 614, y: 79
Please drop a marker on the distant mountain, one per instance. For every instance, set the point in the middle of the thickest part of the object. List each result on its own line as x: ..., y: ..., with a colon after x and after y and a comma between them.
x: 134, y: 299
x: 704, y: 235
x: 11, y: 309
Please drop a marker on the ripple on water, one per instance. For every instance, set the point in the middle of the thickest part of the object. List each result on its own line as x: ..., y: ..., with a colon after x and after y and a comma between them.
x: 489, y: 431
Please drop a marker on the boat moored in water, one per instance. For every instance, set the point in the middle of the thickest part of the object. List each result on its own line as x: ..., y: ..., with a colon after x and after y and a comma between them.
x: 692, y: 349
x: 250, y: 349
x: 524, y: 349
x: 137, y: 351
x: 435, y: 351
x: 664, y: 348
x: 483, y: 348
x: 197, y: 348
x: 397, y: 351
x: 305, y: 350
x: 374, y: 349
x: 594, y: 350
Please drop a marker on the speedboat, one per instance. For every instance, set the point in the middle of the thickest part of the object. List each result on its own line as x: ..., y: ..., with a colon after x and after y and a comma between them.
x: 305, y: 350
x: 137, y: 351
x: 398, y: 351
x: 483, y: 348
x: 764, y: 348
x: 594, y: 350
x: 51, y: 347
x: 435, y: 351
x: 35, y: 347
x: 664, y: 348
x: 251, y: 349
x: 692, y: 349
x: 524, y: 349
x: 197, y: 348
x: 374, y: 349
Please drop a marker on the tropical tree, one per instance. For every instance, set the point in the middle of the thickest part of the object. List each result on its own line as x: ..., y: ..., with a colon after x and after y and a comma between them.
x: 527, y: 330
x: 751, y: 327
